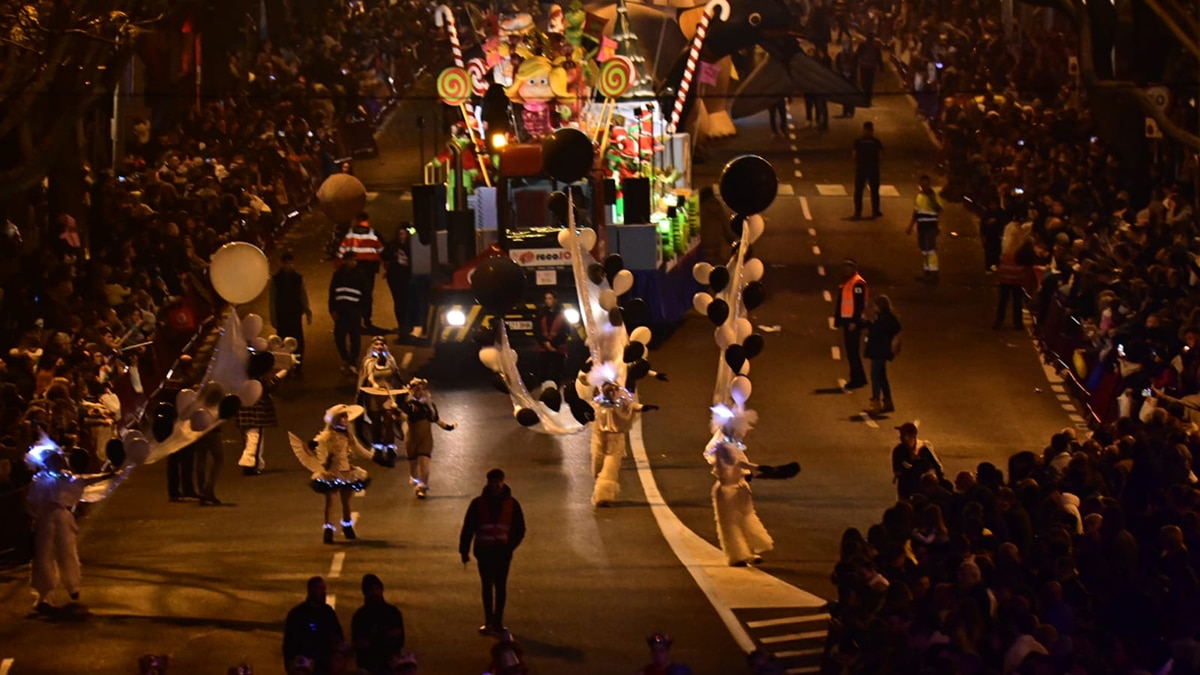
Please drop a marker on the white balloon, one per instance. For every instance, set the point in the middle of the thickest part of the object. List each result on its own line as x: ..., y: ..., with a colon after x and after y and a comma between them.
x: 260, y: 344
x: 701, y: 301
x: 725, y: 336
x: 700, y: 272
x: 754, y: 227
x: 740, y: 389
x: 201, y: 420
x: 587, y: 239
x: 250, y: 392
x: 252, y: 325
x: 210, y: 394
x: 641, y: 334
x: 752, y: 270
x: 564, y: 238
x: 745, y: 369
x: 744, y: 329
x: 622, y: 282
x: 608, y: 299
x: 137, y: 448
x: 275, y: 343
x: 490, y: 358
x: 185, y: 400
x: 290, y: 345
x: 583, y: 389
x: 239, y: 272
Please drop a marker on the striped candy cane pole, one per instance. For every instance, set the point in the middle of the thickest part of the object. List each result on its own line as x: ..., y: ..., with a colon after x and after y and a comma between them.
x: 444, y: 16
x: 720, y: 8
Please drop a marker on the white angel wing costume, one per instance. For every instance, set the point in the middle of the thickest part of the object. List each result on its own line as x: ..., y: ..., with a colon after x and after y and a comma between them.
x: 308, y: 457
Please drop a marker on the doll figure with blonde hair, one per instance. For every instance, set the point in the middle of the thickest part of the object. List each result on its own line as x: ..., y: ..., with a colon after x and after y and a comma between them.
x: 536, y: 86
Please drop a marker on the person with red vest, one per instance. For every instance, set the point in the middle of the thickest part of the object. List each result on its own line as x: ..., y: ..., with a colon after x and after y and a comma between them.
x: 1015, y: 272
x: 363, y: 243
x: 848, y: 315
x: 495, y: 522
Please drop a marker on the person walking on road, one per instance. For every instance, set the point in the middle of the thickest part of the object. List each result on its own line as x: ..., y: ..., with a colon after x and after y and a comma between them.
x: 253, y: 420
x: 868, y: 152
x: 495, y: 522
x: 911, y: 459
x: 846, y: 65
x: 740, y: 532
x: 210, y: 458
x: 289, y: 305
x: 312, y: 630
x: 364, y: 244
x: 883, y: 345
x: 377, y: 629
x: 869, y: 56
x: 927, y: 208
x: 422, y: 413
x: 851, y: 305
x: 397, y: 269
x: 347, y: 289
x: 1015, y: 271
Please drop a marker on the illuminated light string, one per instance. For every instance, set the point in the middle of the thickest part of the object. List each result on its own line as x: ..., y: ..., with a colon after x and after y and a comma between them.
x: 714, y: 7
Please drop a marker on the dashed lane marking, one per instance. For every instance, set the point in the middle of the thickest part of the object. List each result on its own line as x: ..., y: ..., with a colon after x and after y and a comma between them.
x: 888, y: 191
x: 5, y: 666
x: 807, y: 213
x: 354, y: 517
x: 866, y: 418
x: 1068, y: 407
x: 836, y: 353
x: 1062, y: 397
x: 795, y: 160
x: 1076, y: 418
x: 786, y: 620
x: 812, y: 231
x: 406, y: 197
x: 817, y: 251
x: 785, y: 189
x: 793, y: 653
x: 821, y: 270
x: 831, y: 190
x: 790, y: 637
x: 335, y: 567
x: 798, y: 174
x: 1057, y: 388
x: 795, y: 148
x: 832, y: 321
x: 792, y: 136
x: 827, y: 295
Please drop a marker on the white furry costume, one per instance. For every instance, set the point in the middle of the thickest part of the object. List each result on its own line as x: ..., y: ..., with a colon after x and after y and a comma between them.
x: 739, y: 530
x: 614, y: 417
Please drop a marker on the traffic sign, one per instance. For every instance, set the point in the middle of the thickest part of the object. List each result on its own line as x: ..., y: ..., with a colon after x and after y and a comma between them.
x: 1159, y: 96
x: 1152, y: 130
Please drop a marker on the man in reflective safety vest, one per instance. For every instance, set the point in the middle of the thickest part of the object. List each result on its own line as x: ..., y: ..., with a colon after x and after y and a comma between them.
x: 495, y: 521
x: 927, y: 206
x: 848, y: 314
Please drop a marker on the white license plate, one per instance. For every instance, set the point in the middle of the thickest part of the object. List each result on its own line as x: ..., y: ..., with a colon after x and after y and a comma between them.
x: 519, y: 325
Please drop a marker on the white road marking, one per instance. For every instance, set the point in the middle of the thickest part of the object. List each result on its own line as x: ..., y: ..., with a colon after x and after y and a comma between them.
x: 1057, y: 388
x: 842, y: 386
x: 836, y: 353
x: 866, y: 417
x: 5, y: 665
x: 821, y: 270
x: 795, y: 160
x: 331, y: 600
x: 406, y: 197
x: 838, y: 190
x: 335, y: 567
x: 832, y: 321
x: 372, y: 196
x: 812, y: 231
x: 792, y: 136
x: 827, y: 295
x: 1068, y: 407
x: 803, y: 670
x: 797, y: 173
x: 354, y: 517
x: 790, y: 637
x: 795, y: 148
x: 727, y: 588
x: 804, y: 208
x: 786, y: 620
x: 888, y: 191
x: 360, y: 494
x: 1062, y: 397
x: 791, y: 653
x: 1076, y: 418
x: 816, y: 250
x: 787, y: 189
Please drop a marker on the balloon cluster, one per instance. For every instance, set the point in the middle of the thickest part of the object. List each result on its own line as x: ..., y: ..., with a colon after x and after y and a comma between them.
x: 748, y: 186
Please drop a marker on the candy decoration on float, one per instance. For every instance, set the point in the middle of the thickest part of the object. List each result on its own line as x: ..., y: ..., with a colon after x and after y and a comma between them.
x: 478, y: 70
x: 616, y: 79
x: 721, y: 8
x: 443, y: 16
x: 454, y: 89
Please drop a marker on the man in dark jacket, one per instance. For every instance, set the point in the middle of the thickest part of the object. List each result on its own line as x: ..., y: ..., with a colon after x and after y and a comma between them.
x: 312, y: 630
x: 551, y: 330
x: 347, y: 290
x: 911, y: 459
x: 377, y: 629
x: 495, y: 521
x: 289, y: 304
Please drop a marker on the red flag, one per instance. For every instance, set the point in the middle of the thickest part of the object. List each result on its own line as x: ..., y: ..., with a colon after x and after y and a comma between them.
x: 593, y: 26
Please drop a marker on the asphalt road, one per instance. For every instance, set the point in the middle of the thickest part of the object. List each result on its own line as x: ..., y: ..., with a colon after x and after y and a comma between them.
x: 210, y: 586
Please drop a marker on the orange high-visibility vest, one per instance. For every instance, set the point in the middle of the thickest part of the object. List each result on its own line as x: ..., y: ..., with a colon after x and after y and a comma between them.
x: 847, y: 307
x: 493, y: 528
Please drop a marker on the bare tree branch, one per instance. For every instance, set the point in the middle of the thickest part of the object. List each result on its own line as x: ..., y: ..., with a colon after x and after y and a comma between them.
x: 1178, y: 31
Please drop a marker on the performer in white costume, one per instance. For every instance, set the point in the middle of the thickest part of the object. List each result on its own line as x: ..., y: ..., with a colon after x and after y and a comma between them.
x: 329, y: 456
x: 52, y: 497
x: 742, y: 535
x: 615, y: 409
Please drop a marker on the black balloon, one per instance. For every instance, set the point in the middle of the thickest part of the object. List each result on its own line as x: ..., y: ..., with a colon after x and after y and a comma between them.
x: 568, y: 155
x: 527, y: 417
x: 748, y: 184
x: 735, y: 356
x: 634, y: 351
x: 162, y: 428
x: 79, y: 461
x: 595, y: 272
x: 499, y: 283
x: 718, y: 279
x: 613, y: 264
x: 484, y: 336
x: 166, y: 410
x: 615, y: 317
x: 229, y: 407
x: 736, y: 223
x: 498, y: 383
x: 552, y: 397
x: 718, y: 311
x: 753, y: 345
x: 558, y: 206
x: 636, y: 312
x: 261, y: 363
x: 638, y: 369
x: 754, y: 294
x: 115, y: 451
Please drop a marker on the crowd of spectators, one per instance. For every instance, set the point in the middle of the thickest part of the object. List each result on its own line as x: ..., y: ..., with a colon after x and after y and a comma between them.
x: 99, y: 299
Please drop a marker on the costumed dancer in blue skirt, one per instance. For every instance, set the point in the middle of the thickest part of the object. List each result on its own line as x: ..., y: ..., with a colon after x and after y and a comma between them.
x: 328, y: 455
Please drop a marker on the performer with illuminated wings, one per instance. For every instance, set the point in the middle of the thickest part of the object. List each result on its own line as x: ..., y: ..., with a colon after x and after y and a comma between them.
x: 328, y: 455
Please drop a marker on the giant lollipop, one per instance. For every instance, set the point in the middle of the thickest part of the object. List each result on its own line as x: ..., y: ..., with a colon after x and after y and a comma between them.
x: 454, y: 88
x: 616, y: 79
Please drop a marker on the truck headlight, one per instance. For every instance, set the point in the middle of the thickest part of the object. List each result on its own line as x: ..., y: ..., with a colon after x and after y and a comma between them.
x: 572, y: 316
x: 455, y: 317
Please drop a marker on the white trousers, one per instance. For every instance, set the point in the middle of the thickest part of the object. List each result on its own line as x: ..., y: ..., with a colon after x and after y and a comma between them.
x: 739, y: 530
x: 607, y: 451
x: 55, y: 556
x: 252, y: 453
